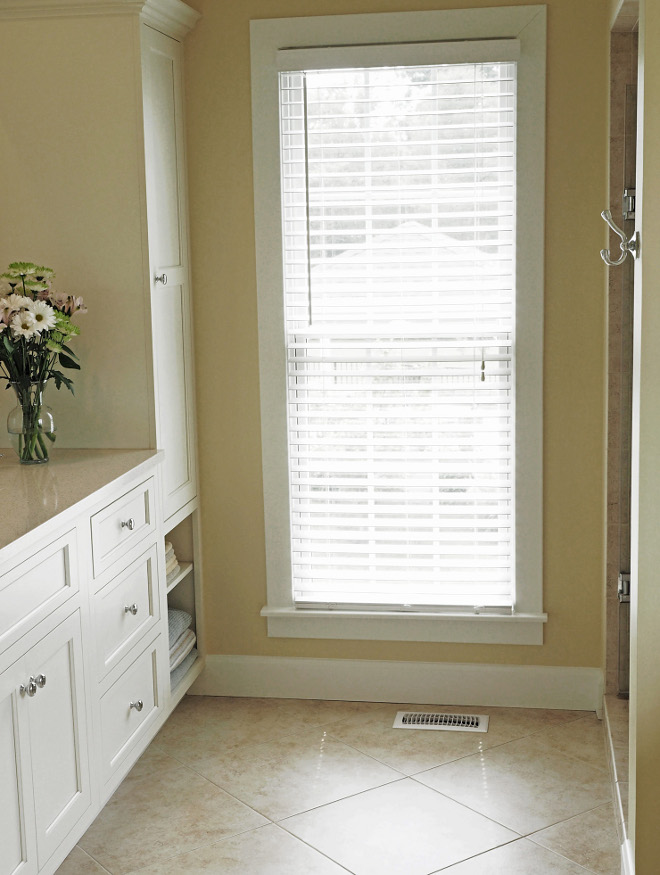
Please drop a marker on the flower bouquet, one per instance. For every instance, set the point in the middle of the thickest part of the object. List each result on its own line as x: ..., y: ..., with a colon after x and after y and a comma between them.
x: 35, y: 329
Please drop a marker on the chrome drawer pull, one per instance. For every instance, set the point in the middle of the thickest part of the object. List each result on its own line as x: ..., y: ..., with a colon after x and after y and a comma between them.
x: 161, y: 279
x: 139, y: 705
x: 131, y: 609
x: 128, y: 524
x: 30, y: 689
x: 40, y: 680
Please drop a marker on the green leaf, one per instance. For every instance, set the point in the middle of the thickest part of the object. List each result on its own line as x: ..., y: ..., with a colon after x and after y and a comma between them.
x: 68, y: 362
x: 60, y: 380
x: 70, y: 352
x: 9, y: 346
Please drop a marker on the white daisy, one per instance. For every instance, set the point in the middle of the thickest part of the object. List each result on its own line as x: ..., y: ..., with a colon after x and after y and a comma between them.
x: 23, y: 324
x: 18, y: 302
x: 44, y: 315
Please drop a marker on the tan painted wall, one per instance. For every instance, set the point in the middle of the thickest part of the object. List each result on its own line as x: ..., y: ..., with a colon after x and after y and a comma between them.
x: 63, y: 118
x: 222, y: 225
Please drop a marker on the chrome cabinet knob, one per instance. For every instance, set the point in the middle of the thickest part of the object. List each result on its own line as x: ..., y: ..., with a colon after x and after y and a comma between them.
x: 30, y: 688
x: 128, y: 524
x: 131, y: 609
x: 139, y: 705
x: 40, y: 680
x: 161, y: 279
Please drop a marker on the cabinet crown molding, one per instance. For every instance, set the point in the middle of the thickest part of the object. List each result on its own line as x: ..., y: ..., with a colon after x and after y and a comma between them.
x: 172, y: 16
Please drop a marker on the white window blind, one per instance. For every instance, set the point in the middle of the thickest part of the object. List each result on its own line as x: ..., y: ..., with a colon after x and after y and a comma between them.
x: 398, y: 189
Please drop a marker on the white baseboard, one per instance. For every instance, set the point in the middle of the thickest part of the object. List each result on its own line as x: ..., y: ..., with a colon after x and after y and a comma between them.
x: 427, y: 683
x: 627, y: 862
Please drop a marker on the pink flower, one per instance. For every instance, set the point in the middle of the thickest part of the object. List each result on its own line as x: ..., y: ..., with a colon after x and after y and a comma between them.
x: 58, y: 300
x: 75, y: 305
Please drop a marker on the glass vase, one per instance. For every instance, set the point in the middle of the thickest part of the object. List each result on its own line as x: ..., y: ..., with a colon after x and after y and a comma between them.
x: 30, y: 424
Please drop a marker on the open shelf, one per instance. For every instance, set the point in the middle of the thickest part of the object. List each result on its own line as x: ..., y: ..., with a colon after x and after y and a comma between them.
x: 182, y: 593
x: 184, y: 570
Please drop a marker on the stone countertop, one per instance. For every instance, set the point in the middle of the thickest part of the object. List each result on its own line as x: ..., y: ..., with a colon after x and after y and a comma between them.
x: 31, y: 495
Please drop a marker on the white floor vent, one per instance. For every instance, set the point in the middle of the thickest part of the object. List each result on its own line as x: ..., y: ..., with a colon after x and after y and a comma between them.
x: 436, y: 720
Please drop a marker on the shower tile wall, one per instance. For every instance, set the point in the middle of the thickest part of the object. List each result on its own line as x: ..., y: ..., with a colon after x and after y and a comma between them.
x: 622, y: 175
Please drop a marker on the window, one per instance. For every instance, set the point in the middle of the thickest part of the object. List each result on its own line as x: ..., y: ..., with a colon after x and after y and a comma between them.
x: 399, y: 238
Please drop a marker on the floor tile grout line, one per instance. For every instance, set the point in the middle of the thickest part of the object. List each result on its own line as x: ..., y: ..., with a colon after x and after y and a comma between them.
x: 473, y: 810
x: 552, y: 750
x: 204, y: 844
x: 564, y: 857
x: 522, y: 835
x: 196, y: 848
x: 369, y: 755
x: 312, y: 847
x: 559, y: 822
x: 472, y: 753
x: 476, y: 856
x: 503, y: 845
x: 313, y: 808
x: 282, y: 738
x: 497, y: 747
x: 341, y: 799
x: 92, y: 857
x: 566, y: 819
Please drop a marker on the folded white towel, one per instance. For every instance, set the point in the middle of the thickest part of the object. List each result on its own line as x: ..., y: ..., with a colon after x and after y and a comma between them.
x: 170, y: 565
x: 182, y: 648
x: 168, y: 555
x: 172, y: 574
x: 177, y: 675
x: 177, y: 623
x: 168, y: 546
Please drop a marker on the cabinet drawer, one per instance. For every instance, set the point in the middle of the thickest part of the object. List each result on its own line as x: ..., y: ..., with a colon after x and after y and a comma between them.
x: 126, y: 610
x: 36, y: 587
x: 116, y: 528
x: 121, y: 721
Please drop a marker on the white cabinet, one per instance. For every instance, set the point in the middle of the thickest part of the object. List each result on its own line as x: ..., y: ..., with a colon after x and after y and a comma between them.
x: 84, y: 674
x: 44, y: 757
x: 58, y: 734
x: 168, y: 257
x: 17, y: 827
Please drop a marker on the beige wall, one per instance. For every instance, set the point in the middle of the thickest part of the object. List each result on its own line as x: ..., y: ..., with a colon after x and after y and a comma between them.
x: 58, y: 210
x: 222, y: 225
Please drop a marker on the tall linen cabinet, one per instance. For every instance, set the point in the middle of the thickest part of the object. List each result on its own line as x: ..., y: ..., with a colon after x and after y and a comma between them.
x: 93, y: 175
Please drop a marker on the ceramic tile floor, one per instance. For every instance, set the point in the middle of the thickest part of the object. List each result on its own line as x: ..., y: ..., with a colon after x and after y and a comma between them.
x: 292, y: 787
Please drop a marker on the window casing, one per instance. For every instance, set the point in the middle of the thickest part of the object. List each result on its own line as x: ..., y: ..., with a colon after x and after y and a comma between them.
x: 397, y: 314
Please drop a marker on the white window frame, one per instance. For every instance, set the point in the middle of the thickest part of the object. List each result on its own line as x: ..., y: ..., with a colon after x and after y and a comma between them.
x: 528, y: 25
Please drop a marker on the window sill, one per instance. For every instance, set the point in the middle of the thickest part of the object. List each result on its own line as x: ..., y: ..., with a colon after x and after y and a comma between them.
x: 401, y: 626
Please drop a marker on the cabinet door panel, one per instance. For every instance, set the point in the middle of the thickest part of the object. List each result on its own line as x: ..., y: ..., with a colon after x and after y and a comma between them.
x: 172, y: 393
x: 167, y: 248
x: 168, y: 256
x: 36, y: 587
x: 17, y: 842
x: 58, y: 735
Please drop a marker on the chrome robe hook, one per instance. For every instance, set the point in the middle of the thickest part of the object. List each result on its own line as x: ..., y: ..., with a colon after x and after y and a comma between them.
x: 630, y: 246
